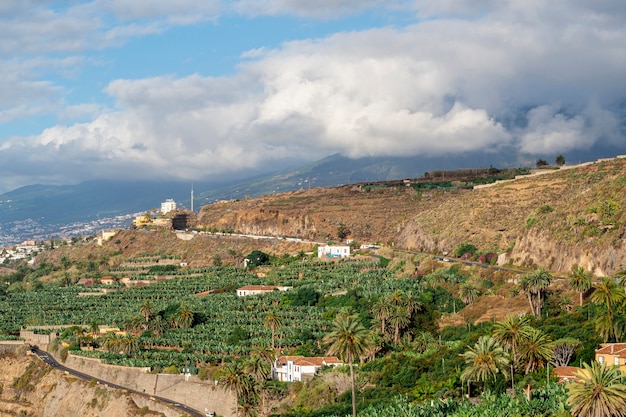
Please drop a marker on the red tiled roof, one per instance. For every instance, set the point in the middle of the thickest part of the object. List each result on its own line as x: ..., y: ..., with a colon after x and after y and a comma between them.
x: 566, y: 372
x: 310, y: 361
x: 258, y: 288
x: 617, y: 349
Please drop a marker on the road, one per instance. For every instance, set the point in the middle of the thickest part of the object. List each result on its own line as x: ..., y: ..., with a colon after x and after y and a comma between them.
x: 50, y: 361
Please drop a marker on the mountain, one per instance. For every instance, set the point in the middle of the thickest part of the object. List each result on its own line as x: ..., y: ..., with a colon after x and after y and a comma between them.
x: 40, y: 211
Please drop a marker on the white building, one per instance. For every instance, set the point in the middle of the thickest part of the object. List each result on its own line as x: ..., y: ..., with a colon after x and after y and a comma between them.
x: 333, y: 252
x: 259, y: 289
x: 168, y: 205
x: 300, y: 368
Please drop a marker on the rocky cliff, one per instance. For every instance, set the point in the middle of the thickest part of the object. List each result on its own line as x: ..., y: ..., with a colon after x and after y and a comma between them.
x: 30, y: 388
x: 564, y: 218
x: 557, y: 218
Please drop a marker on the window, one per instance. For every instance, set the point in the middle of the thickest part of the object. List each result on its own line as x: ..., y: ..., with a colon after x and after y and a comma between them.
x: 601, y: 360
x: 615, y: 360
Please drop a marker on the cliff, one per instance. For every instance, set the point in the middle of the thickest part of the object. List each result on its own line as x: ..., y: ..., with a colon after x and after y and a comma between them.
x: 559, y: 219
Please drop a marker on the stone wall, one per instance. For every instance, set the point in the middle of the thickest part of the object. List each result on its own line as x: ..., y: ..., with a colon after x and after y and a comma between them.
x: 190, y: 391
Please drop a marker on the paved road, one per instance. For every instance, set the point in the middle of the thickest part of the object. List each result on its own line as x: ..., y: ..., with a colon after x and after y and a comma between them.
x: 50, y: 361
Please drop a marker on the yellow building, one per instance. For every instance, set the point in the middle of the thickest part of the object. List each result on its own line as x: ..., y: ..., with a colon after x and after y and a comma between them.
x: 612, y: 354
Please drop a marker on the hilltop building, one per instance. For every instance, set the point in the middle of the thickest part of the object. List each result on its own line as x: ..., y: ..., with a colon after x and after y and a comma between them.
x: 168, y: 205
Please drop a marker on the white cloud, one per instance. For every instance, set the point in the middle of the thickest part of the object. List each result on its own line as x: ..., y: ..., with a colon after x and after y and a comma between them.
x: 542, y: 78
x: 326, y: 9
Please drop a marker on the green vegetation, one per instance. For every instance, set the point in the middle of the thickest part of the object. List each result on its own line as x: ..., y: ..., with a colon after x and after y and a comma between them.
x: 195, y: 319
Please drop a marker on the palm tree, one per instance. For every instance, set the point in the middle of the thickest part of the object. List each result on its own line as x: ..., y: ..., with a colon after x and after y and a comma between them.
x: 512, y: 332
x: 158, y: 326
x: 611, y: 295
x: 380, y: 310
x: 468, y: 293
x: 485, y: 360
x: 601, y: 392
x: 257, y: 367
x: 401, y: 307
x: 147, y: 310
x: 273, y: 322
x: 580, y: 280
x: 534, y: 285
x: 536, y: 350
x: 240, y: 384
x: 349, y: 340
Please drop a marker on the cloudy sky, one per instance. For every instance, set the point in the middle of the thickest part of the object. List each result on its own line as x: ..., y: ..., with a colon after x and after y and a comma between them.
x: 214, y: 89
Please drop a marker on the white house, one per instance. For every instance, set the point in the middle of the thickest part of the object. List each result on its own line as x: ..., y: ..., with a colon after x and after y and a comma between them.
x: 300, y: 368
x: 259, y: 289
x: 333, y: 251
x: 168, y: 205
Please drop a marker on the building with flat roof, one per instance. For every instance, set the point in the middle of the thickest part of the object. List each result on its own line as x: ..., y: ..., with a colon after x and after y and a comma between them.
x: 168, y: 205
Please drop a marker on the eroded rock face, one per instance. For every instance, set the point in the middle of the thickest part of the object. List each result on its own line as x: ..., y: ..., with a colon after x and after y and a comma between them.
x: 43, y: 391
x: 559, y: 220
x: 542, y: 249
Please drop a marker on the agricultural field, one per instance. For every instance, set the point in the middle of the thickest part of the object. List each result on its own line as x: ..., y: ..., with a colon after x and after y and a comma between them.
x: 195, y: 316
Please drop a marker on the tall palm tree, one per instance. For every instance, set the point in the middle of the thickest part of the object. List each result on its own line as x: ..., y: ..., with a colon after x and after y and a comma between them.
x: 349, y: 340
x: 611, y: 296
x: 536, y: 350
x: 601, y: 392
x: 580, y: 280
x: 380, y: 310
x: 512, y: 332
x: 534, y: 285
x: 239, y: 383
x: 401, y: 306
x: 485, y: 360
x: 273, y: 322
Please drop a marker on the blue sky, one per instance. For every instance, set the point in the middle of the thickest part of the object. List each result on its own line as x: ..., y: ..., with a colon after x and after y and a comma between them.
x: 211, y: 90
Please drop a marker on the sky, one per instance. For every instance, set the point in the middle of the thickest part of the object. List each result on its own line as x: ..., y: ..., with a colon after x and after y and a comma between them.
x: 215, y: 90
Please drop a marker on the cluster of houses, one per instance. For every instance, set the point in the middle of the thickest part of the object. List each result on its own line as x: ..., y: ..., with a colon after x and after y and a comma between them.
x: 25, y: 250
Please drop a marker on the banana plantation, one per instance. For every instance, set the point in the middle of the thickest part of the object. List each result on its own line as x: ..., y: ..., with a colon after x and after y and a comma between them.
x: 408, y: 363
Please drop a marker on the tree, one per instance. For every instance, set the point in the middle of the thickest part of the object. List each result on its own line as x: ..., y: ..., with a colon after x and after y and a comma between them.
x: 601, y: 392
x: 512, y: 332
x: 611, y: 296
x: 380, y: 310
x: 485, y: 360
x: 580, y: 280
x: 536, y: 350
x: 560, y: 160
x: 564, y: 350
x: 147, y: 311
x: 401, y: 306
x: 468, y: 293
x: 541, y: 163
x: 258, y: 258
x: 535, y: 285
x: 273, y: 322
x: 242, y: 385
x: 464, y: 248
x: 256, y: 366
x: 348, y: 339
x: 343, y: 231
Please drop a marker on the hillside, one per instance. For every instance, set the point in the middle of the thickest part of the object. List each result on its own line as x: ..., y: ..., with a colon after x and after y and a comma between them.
x: 566, y: 217
x: 31, y: 388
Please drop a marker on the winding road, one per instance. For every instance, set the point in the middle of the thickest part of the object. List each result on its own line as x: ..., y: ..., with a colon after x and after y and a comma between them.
x: 50, y: 361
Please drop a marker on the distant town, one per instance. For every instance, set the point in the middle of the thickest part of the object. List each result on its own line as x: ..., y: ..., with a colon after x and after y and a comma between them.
x: 17, y: 232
